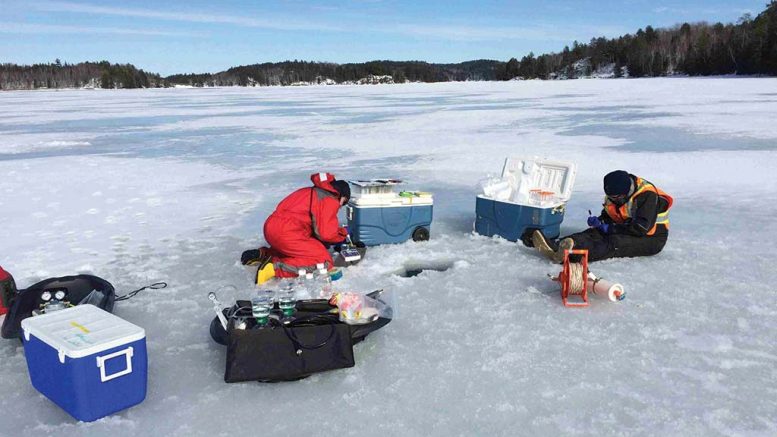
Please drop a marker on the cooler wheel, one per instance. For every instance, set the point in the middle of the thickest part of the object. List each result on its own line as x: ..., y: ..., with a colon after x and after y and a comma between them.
x: 421, y: 234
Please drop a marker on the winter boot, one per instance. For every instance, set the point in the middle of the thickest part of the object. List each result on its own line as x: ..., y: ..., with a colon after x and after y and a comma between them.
x: 543, y: 245
x: 262, y: 259
x: 256, y: 257
x: 265, y: 273
x: 565, y: 244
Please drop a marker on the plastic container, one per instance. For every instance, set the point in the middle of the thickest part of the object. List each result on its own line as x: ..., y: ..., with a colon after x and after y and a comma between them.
x: 262, y: 305
x: 359, y: 309
x: 86, y: 360
x: 377, y: 214
x: 323, y: 283
x: 531, y: 194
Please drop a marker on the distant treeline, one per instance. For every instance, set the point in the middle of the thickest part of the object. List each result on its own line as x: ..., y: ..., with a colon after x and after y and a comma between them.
x: 291, y: 72
x: 84, y: 74
x: 748, y: 47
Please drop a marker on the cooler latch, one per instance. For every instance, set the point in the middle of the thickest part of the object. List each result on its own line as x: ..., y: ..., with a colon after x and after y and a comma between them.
x: 101, y: 364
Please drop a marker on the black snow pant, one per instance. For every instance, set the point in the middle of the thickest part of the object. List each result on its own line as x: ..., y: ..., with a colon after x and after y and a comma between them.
x: 603, y: 246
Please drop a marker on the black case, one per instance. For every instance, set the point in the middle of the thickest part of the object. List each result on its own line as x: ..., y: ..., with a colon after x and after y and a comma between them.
x: 288, y: 352
x: 78, y: 287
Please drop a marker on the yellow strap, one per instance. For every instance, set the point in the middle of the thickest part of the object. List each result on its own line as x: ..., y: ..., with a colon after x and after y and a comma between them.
x: 79, y: 326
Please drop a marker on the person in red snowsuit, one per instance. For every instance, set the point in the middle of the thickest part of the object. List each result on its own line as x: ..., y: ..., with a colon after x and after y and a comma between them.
x: 302, y: 226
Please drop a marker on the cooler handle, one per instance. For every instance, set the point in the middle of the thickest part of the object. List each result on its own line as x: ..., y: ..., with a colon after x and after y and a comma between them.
x: 349, y: 211
x: 101, y: 364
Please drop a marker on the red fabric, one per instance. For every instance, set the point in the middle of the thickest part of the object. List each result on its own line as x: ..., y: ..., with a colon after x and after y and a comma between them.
x: 4, y: 276
x: 295, y: 240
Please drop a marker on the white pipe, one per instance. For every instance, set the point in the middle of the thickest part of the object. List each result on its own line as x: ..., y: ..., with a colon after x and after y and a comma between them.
x: 601, y: 287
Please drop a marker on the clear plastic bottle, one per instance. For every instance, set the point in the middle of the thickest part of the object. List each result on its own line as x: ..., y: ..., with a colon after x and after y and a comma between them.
x: 261, y: 306
x: 310, y: 286
x: 287, y: 297
x: 301, y: 285
x: 324, y: 285
x: 287, y: 302
x: 299, y: 282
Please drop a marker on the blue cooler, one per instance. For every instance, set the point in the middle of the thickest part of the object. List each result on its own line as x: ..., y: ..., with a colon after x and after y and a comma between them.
x: 88, y: 361
x: 377, y: 214
x: 531, y: 194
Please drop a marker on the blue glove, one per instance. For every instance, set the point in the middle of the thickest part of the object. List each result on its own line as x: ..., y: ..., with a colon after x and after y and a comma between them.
x: 594, y: 222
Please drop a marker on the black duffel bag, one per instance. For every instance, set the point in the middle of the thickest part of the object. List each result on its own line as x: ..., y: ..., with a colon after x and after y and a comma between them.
x: 288, y: 352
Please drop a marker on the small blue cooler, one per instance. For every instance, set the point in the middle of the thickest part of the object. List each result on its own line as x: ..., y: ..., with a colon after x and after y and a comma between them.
x: 531, y: 194
x: 88, y: 361
x: 379, y: 215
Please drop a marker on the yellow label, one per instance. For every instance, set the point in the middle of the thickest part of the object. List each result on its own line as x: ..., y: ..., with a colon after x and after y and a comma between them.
x: 79, y: 326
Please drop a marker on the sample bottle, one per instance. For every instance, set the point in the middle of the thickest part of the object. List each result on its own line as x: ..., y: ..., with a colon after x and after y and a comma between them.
x: 261, y: 306
x: 324, y: 282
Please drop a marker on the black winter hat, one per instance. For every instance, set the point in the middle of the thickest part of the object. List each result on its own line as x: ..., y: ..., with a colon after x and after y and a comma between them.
x: 617, y: 183
x: 343, y: 188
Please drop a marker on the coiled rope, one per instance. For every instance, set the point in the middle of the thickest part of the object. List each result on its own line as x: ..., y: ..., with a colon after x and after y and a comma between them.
x: 576, y: 279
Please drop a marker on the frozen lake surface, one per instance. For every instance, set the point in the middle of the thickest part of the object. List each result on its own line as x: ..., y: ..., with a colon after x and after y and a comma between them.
x: 138, y: 186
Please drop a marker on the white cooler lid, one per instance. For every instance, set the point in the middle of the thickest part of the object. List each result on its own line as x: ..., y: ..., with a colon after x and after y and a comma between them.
x: 422, y: 198
x: 527, y: 173
x: 375, y: 182
x: 81, y: 330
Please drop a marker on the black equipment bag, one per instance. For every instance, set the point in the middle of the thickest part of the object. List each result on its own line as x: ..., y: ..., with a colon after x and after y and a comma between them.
x: 306, y: 307
x: 288, y: 352
x: 79, y: 288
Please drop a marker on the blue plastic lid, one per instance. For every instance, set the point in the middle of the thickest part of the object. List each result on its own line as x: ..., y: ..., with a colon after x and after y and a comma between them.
x: 336, y: 274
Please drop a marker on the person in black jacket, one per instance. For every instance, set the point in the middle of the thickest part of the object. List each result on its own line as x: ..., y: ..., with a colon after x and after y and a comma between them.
x: 633, y: 222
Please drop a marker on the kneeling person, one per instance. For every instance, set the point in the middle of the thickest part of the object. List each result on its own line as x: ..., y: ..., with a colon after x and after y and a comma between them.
x: 300, y: 229
x: 634, y: 222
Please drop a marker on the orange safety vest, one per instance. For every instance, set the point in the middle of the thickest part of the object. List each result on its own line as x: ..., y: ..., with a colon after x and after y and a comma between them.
x: 619, y: 214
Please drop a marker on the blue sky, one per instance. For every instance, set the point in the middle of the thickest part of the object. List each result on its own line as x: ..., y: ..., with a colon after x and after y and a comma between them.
x: 207, y: 36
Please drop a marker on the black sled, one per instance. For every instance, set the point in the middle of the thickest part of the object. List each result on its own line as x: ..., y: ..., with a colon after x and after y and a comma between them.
x: 77, y: 289
x: 315, y: 341
x: 305, y: 308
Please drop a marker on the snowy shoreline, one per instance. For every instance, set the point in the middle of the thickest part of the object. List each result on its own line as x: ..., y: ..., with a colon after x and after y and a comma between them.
x: 350, y: 83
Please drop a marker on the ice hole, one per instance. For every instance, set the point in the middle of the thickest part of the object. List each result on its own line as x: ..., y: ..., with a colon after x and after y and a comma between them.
x: 413, y: 268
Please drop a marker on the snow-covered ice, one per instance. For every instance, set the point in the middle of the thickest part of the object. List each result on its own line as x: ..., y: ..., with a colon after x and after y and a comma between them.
x: 172, y: 184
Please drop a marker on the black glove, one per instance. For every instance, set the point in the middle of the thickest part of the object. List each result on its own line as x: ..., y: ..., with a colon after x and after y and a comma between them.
x: 250, y: 256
